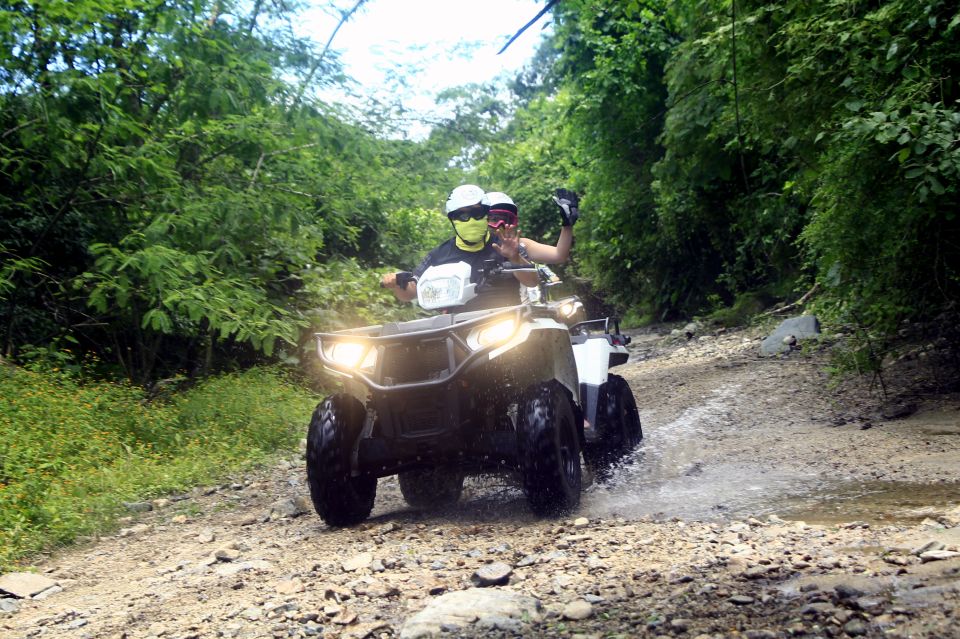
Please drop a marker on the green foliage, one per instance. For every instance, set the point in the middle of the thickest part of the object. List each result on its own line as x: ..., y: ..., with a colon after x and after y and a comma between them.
x: 614, y: 59
x: 173, y: 200
x: 349, y: 294
x: 71, y: 452
x: 411, y: 232
x: 884, y: 231
x: 724, y: 149
x: 746, y: 306
x: 165, y: 188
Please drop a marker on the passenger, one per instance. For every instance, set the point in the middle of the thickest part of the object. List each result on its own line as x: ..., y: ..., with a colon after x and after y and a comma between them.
x: 473, y: 243
x: 504, y: 219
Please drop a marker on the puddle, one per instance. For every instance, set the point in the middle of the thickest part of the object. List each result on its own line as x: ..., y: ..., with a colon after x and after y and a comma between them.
x: 676, y: 474
x: 669, y: 477
x: 875, y: 502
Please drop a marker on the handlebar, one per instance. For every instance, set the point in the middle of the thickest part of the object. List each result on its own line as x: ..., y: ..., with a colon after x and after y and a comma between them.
x: 493, y: 267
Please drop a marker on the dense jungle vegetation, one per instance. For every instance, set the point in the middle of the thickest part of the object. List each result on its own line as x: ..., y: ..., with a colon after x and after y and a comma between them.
x: 175, y: 201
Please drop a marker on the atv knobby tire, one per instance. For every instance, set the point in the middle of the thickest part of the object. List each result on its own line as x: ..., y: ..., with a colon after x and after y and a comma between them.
x: 618, y: 426
x: 433, y: 488
x: 549, y: 448
x: 339, y: 498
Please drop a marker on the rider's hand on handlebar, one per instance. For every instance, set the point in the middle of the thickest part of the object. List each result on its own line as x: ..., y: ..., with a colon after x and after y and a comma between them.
x: 389, y: 281
x: 397, y: 281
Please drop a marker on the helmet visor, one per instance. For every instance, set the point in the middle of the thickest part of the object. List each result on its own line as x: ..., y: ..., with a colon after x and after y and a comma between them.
x: 501, y: 217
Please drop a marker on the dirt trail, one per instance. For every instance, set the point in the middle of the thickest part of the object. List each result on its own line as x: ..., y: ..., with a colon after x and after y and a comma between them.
x: 696, y: 536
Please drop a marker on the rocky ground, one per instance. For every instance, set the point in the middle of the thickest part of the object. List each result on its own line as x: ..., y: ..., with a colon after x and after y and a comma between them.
x: 700, y: 535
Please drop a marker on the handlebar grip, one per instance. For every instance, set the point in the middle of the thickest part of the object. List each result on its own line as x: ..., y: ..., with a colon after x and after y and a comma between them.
x: 402, y: 278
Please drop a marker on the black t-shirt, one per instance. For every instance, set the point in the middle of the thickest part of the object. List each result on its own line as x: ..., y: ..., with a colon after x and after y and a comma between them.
x: 502, y: 291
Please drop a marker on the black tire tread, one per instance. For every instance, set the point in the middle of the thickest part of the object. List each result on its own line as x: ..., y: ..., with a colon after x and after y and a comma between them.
x: 339, y: 499
x: 547, y: 407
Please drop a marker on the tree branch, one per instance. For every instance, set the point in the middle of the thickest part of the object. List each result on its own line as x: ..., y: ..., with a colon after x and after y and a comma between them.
x: 527, y: 25
x: 344, y: 16
x: 800, y: 302
x: 18, y: 127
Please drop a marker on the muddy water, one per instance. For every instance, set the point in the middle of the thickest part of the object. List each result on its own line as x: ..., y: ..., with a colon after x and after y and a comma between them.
x: 679, y: 472
x: 709, y: 463
x: 874, y: 502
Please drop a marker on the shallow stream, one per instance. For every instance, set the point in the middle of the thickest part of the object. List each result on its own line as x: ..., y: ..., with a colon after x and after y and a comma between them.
x: 675, y: 473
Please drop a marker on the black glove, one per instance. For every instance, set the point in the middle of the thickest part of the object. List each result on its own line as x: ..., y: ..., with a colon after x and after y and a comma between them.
x: 568, y: 201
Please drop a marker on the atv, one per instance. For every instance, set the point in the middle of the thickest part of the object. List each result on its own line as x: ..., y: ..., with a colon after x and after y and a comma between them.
x: 433, y: 400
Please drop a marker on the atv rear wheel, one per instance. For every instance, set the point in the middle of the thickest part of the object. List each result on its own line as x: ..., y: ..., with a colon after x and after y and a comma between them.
x: 618, y: 426
x: 549, y: 449
x: 432, y: 488
x: 339, y: 498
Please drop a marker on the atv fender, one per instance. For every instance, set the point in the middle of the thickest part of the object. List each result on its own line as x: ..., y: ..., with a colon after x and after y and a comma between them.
x: 541, y: 352
x: 595, y: 355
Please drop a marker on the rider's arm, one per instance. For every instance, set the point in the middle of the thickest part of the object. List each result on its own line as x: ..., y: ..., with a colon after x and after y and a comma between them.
x: 546, y: 254
x: 403, y: 294
x: 509, y: 247
x: 528, y: 278
x: 409, y: 292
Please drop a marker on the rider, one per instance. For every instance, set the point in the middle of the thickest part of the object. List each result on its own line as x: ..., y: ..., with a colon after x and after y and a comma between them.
x: 503, y: 218
x: 472, y: 242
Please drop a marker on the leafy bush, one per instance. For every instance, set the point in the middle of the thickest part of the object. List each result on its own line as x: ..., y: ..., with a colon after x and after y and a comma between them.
x: 71, y: 452
x: 344, y: 294
x: 756, y: 147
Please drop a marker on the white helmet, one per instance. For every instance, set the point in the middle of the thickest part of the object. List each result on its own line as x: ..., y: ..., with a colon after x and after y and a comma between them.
x: 499, y: 200
x: 463, y: 195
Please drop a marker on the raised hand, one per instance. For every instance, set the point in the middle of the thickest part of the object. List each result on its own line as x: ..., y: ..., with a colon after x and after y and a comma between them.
x: 569, y: 203
x: 509, y: 246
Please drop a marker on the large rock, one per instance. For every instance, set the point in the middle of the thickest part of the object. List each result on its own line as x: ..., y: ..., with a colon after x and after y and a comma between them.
x: 230, y: 569
x: 802, y: 327
x: 486, y: 607
x: 938, y: 555
x: 25, y: 584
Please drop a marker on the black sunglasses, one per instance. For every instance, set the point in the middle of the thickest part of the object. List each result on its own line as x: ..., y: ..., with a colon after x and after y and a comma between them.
x: 471, y: 213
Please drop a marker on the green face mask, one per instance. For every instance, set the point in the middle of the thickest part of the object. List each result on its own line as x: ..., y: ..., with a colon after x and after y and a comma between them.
x: 471, y: 235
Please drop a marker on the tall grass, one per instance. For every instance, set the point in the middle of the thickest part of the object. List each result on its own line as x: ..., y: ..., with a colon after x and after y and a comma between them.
x: 71, y: 452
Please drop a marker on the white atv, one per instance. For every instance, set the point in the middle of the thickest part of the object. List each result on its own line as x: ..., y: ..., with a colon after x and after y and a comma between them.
x: 435, y: 399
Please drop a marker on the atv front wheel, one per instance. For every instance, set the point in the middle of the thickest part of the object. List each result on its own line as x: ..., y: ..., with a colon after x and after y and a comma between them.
x: 339, y: 498
x: 618, y: 426
x: 549, y: 449
x: 433, y: 488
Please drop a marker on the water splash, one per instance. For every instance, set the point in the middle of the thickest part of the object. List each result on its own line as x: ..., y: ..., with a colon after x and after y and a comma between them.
x: 674, y: 473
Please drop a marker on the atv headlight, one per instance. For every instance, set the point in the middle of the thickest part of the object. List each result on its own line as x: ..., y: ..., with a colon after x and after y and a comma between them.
x: 352, y: 354
x: 440, y: 292
x: 567, y: 309
x: 492, y: 334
